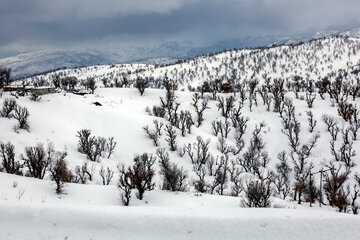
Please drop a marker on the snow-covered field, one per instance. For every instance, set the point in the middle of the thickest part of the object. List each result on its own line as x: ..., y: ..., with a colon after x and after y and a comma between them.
x: 30, y: 208
x: 95, y: 212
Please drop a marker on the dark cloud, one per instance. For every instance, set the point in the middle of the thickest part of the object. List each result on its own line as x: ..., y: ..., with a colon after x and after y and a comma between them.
x: 27, y: 25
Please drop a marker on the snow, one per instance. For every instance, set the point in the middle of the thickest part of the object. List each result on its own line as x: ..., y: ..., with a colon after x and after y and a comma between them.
x: 311, y: 60
x: 30, y: 209
x: 94, y: 212
x: 39, y: 222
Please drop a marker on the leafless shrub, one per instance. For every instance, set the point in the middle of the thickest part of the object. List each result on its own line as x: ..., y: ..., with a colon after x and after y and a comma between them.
x: 199, y: 152
x: 333, y: 187
x: 223, y: 147
x: 199, y: 108
x: 310, y: 98
x: 8, y: 162
x: 9, y: 106
x: 83, y: 174
x: 37, y: 160
x: 173, y: 177
x: 35, y: 97
x: 171, y: 137
x: 226, y: 105
x: 141, y: 84
x: 59, y: 171
x: 282, y: 177
x: 94, y: 147
x: 110, y: 146
x: 257, y: 194
x: 125, y: 185
x: 21, y: 114
x: 152, y: 135
x: 312, y: 122
x: 106, y: 175
x: 221, y: 176
x: 332, y: 127
x: 142, y: 173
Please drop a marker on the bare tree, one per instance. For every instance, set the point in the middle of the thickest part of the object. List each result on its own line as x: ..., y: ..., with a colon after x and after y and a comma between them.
x: 332, y: 127
x: 158, y: 126
x: 173, y: 177
x: 221, y: 176
x: 91, y: 84
x: 199, y: 108
x: 226, y: 105
x: 278, y: 91
x: 310, y: 98
x: 110, y: 146
x: 83, y: 173
x: 94, y: 147
x: 333, y: 187
x: 302, y: 168
x: 8, y: 163
x: 344, y: 154
x: 312, y: 122
x: 199, y: 152
x: 21, y: 114
x: 59, y: 171
x: 106, y: 175
x: 141, y: 84
x: 223, y: 147
x: 125, y: 185
x: 291, y: 126
x: 9, y: 106
x: 354, y: 129
x: 171, y: 137
x: 235, y: 177
x: 354, y: 196
x: 35, y: 97
x: 142, y: 173
x: 282, y: 177
x: 5, y: 74
x: 37, y: 160
x: 185, y: 122
x: 257, y: 194
x: 152, y: 135
x: 254, y: 157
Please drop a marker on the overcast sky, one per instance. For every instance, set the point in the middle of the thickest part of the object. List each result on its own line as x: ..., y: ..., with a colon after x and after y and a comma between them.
x: 27, y: 25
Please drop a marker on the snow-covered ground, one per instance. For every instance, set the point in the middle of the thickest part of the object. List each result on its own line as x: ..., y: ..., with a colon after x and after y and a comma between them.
x: 95, y: 212
x: 30, y: 209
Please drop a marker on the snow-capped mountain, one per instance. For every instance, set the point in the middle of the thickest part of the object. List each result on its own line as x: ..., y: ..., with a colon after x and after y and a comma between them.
x: 40, y: 61
x: 352, y: 33
x: 313, y: 60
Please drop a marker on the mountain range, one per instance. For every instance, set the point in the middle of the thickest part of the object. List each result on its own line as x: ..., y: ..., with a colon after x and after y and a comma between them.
x: 30, y: 63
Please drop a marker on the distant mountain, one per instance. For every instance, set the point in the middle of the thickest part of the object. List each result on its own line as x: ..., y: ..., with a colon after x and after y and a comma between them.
x: 42, y: 61
x: 352, y: 33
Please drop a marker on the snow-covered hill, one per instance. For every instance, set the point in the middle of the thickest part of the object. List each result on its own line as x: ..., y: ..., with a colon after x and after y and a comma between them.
x: 313, y: 60
x: 288, y: 118
x: 35, y: 62
x: 56, y: 118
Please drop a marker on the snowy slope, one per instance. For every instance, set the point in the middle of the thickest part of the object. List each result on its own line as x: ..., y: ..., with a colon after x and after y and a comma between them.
x: 58, y: 117
x: 41, y: 221
x: 94, y: 211
x: 311, y: 60
x: 34, y: 62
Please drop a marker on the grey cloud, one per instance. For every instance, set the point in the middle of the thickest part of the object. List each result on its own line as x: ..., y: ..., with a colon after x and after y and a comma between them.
x: 29, y: 25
